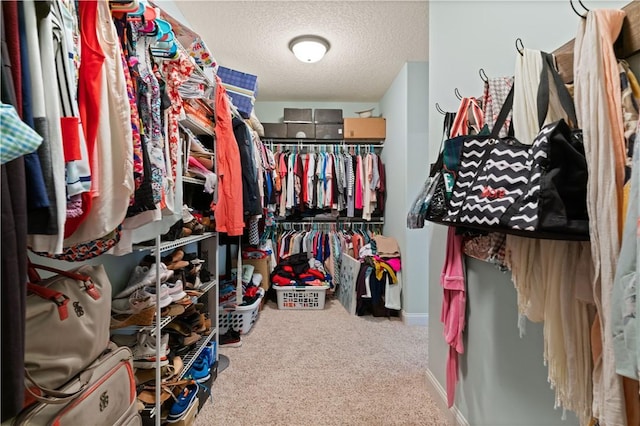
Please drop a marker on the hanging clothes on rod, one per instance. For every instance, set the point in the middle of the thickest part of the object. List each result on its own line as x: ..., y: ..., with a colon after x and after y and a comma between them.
x: 328, y: 181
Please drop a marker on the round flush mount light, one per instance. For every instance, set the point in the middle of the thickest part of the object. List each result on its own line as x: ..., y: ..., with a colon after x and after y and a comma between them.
x: 309, y: 48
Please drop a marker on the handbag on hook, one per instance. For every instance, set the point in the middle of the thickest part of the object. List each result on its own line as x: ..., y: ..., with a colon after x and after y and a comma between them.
x: 536, y: 190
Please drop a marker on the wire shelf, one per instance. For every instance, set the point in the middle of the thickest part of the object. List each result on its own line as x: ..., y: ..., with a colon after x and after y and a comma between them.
x: 170, y: 245
x: 165, y: 321
x: 190, y: 358
x: 196, y: 127
x: 196, y: 181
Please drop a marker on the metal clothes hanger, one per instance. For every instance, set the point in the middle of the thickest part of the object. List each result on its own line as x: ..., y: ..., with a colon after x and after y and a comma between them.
x: 458, y: 95
x: 440, y: 110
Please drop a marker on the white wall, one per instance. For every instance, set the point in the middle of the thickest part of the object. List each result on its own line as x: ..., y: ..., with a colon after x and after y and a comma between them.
x: 503, y: 379
x: 394, y: 106
x: 405, y: 104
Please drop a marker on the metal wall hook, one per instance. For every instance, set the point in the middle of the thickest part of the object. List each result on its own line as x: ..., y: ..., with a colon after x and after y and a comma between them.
x: 458, y: 95
x: 576, y: 11
x: 440, y: 110
x: 520, y: 46
x: 483, y: 75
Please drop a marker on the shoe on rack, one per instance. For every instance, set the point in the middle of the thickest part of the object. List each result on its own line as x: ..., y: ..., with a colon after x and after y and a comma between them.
x: 187, y: 397
x: 200, y: 370
x: 165, y: 296
x: 136, y: 302
x: 176, y: 291
x: 230, y: 339
x: 144, y: 276
x: 144, y: 352
x: 142, y: 318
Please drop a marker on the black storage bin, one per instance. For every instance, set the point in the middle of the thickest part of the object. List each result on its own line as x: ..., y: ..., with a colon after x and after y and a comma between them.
x: 275, y: 130
x: 297, y: 115
x: 329, y: 131
x: 328, y: 116
x: 301, y: 131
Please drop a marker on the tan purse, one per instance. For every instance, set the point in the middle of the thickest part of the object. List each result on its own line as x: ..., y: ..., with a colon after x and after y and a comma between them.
x: 67, y: 326
x: 103, y: 394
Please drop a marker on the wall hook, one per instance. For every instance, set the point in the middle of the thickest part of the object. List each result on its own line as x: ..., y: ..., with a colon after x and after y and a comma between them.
x: 458, y: 95
x: 440, y: 110
x: 576, y: 11
x: 483, y: 75
x: 520, y: 46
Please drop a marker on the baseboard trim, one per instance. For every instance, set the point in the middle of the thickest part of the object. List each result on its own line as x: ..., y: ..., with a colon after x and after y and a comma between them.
x: 415, y: 319
x: 440, y: 395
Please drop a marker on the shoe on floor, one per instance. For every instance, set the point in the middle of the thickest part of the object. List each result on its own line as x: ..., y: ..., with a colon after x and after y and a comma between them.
x: 230, y: 339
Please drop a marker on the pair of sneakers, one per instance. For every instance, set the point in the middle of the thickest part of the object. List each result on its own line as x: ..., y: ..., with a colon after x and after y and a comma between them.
x: 144, y: 276
x: 200, y: 370
x: 230, y: 339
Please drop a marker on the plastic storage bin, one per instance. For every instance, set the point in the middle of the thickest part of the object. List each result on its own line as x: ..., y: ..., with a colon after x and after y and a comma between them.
x: 240, y: 318
x: 291, y: 297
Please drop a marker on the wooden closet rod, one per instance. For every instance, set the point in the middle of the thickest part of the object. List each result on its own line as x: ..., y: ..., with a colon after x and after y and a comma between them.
x: 627, y: 45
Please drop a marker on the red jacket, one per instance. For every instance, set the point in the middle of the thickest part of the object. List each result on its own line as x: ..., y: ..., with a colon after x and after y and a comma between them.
x: 228, y: 211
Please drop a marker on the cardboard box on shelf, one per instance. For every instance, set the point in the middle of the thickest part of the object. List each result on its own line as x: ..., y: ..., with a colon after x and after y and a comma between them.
x: 190, y: 417
x: 298, y: 115
x: 365, y: 128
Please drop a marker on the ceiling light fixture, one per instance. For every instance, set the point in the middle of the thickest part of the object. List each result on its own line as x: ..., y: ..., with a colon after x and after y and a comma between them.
x: 309, y: 48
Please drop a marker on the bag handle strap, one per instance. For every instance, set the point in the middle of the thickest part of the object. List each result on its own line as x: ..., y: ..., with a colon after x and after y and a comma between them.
x: 55, y: 396
x: 449, y: 118
x: 89, y: 287
x: 548, y: 66
x: 460, y: 127
x: 60, y: 299
x: 504, y: 113
x: 461, y: 124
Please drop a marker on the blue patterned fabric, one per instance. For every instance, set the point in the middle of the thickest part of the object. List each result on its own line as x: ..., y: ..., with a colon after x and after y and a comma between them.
x: 18, y: 139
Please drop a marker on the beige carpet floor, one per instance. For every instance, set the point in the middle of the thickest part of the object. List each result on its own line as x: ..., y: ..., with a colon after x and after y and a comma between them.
x: 324, y: 367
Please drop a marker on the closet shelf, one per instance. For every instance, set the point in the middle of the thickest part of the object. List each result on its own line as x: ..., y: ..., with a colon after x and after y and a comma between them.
x: 340, y: 219
x: 164, y: 321
x: 170, y: 245
x: 314, y: 142
x: 194, y: 180
x: 189, y: 358
x: 188, y: 361
x: 196, y: 127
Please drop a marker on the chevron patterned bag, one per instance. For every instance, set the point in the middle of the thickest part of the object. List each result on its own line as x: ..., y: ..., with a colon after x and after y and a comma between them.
x: 536, y: 190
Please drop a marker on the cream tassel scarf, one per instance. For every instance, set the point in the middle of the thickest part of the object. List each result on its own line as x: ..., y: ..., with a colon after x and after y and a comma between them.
x: 546, y: 273
x: 598, y: 107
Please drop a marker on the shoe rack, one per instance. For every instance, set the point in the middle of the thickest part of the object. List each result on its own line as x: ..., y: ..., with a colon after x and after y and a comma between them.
x: 208, y: 251
x: 207, y: 244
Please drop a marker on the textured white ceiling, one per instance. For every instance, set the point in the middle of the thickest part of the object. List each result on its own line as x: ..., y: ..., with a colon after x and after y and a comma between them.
x: 370, y: 42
